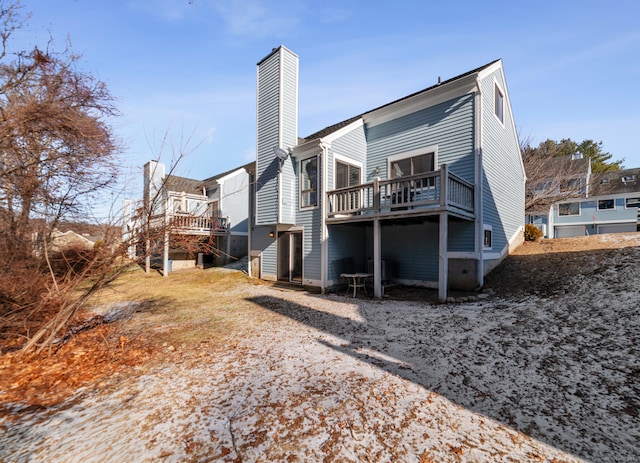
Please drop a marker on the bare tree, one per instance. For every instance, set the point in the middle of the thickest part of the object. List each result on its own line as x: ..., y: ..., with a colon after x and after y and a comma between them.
x: 56, y: 153
x: 553, y: 176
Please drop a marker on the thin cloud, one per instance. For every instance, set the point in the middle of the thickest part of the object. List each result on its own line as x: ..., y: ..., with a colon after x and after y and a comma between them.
x: 258, y: 18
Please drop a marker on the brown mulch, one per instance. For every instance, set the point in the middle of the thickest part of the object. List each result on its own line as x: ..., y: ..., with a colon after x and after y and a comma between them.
x: 85, y: 359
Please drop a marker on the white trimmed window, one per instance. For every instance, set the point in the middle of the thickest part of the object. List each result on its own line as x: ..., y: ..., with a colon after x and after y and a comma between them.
x: 309, y: 182
x: 347, y: 174
x: 498, y: 103
x: 413, y: 163
x: 632, y: 202
x: 565, y: 209
x: 488, y: 237
x: 606, y: 204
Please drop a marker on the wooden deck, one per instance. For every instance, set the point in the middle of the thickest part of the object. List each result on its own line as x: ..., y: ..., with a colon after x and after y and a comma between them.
x: 188, y: 224
x: 416, y: 195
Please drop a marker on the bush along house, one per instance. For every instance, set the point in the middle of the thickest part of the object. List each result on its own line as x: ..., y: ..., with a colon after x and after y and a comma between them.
x: 192, y: 222
x: 427, y: 190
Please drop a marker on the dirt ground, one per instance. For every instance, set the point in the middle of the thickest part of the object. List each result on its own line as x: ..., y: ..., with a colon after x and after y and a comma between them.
x: 539, y: 373
x: 542, y: 268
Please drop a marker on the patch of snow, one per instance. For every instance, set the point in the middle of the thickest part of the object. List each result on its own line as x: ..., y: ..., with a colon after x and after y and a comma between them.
x: 330, y: 378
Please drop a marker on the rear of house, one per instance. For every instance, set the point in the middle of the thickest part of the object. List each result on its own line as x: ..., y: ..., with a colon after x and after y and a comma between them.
x: 192, y: 222
x: 427, y: 190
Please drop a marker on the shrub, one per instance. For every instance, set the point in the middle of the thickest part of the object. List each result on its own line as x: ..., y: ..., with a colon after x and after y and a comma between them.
x: 532, y: 233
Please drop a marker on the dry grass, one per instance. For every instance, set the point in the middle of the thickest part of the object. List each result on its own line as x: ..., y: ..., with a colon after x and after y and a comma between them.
x: 189, y: 306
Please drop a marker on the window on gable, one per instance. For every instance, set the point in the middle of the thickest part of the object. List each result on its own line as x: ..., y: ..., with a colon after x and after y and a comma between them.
x: 569, y: 209
x: 309, y: 182
x: 606, y: 204
x: 499, y: 104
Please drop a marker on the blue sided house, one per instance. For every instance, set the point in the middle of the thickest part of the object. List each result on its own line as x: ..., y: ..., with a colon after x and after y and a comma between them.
x: 427, y: 190
x: 611, y: 205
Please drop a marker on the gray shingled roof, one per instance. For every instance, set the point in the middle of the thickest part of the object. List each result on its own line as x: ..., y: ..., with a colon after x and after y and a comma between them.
x: 179, y: 184
x: 332, y: 128
x: 616, y: 182
x: 209, y: 182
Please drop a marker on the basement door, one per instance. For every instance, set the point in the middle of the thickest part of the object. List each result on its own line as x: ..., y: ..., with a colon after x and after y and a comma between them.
x: 290, y: 256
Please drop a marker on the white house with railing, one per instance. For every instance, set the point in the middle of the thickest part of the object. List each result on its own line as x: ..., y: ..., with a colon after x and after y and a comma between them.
x: 191, y: 222
x: 427, y: 190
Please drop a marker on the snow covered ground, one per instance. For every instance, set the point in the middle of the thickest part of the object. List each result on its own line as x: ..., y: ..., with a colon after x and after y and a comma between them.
x: 336, y: 379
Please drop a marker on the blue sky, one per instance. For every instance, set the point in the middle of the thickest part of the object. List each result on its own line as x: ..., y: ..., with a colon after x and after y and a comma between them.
x: 187, y: 69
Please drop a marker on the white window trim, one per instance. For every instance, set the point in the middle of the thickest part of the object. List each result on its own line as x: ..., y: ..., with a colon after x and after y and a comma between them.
x: 497, y: 86
x: 569, y: 215
x: 318, y: 192
x: 606, y: 199
x: 345, y: 160
x: 410, y: 154
x: 486, y: 228
x: 626, y: 203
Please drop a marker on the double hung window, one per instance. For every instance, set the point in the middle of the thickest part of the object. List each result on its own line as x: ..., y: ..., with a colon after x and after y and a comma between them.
x: 309, y: 182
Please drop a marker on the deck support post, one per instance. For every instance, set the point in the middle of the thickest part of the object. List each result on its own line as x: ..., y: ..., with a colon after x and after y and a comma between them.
x: 377, y: 253
x: 165, y: 259
x: 165, y: 254
x: 443, y: 268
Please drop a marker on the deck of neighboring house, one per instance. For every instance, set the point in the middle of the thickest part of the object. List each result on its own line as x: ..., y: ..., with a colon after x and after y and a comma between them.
x: 190, y: 224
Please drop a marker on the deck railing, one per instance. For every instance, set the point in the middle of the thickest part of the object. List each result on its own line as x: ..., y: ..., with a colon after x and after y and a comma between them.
x: 186, y: 223
x: 438, y: 189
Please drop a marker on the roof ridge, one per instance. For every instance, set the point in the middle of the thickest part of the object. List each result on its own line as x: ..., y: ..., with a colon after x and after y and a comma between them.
x: 332, y: 128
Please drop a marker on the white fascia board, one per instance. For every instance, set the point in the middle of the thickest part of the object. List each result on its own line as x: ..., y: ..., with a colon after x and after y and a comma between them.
x: 421, y: 101
x: 221, y: 180
x: 342, y: 131
x: 490, y: 69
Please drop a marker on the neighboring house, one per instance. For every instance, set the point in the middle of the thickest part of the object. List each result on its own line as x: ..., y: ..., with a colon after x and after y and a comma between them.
x: 427, y: 190
x: 192, y: 221
x: 554, y: 179
x: 69, y: 239
x: 611, y: 206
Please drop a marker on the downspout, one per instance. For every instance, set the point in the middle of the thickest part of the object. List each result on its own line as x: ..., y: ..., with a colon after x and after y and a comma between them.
x: 479, y: 186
